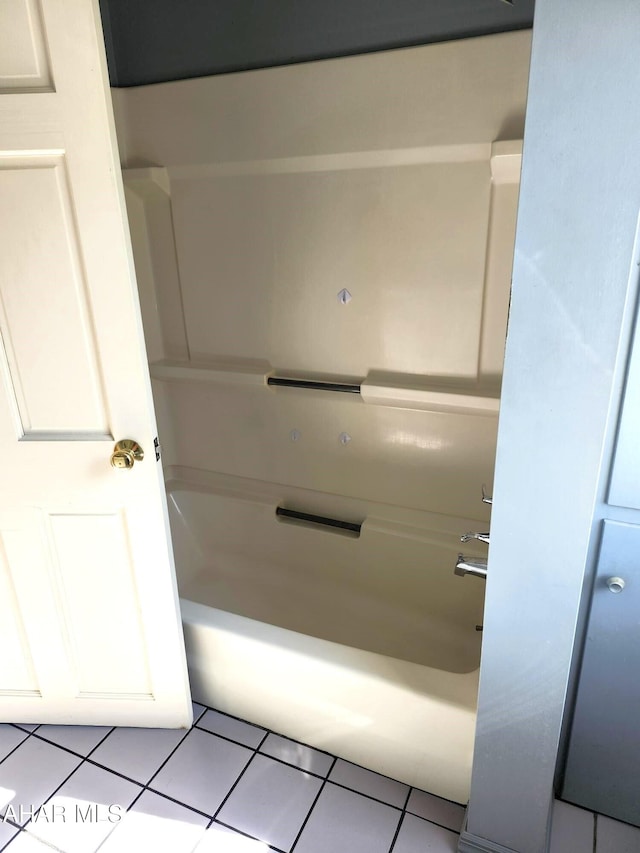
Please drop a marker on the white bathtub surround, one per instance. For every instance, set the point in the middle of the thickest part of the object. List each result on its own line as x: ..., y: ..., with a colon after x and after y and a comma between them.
x: 273, y: 194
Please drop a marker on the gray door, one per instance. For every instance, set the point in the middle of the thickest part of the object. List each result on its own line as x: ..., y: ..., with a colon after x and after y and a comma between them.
x: 603, y: 763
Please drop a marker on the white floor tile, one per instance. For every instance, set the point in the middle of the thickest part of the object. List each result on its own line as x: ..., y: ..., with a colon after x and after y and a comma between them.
x: 571, y: 829
x: 6, y: 833
x: 31, y: 774
x: 344, y: 821
x: 436, y: 809
x: 271, y: 801
x: 10, y: 737
x: 298, y: 755
x: 220, y: 724
x: 80, y: 739
x: 219, y: 839
x: 89, y: 806
x: 202, y: 770
x: 155, y: 823
x: 367, y: 782
x: 420, y: 836
x: 615, y: 837
x: 137, y: 753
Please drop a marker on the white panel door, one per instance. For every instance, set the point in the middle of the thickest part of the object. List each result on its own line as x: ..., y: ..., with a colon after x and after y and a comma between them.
x: 89, y: 621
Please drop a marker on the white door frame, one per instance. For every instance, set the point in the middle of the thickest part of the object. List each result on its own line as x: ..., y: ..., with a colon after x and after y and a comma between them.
x: 571, y: 316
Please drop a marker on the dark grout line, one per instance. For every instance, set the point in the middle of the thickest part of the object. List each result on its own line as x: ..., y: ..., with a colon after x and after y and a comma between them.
x: 595, y: 832
x: 23, y: 727
x: 94, y: 763
x: 375, y: 773
x: 235, y: 784
x: 67, y: 748
x: 231, y: 740
x: 101, y: 741
x: 397, y: 832
x: 46, y: 799
x: 313, y: 805
x: 406, y: 810
x: 231, y: 717
x: 24, y: 740
x: 172, y: 799
x: 54, y: 792
x: 179, y: 744
x: 438, y: 797
x: 306, y: 745
x: 10, y: 841
x: 268, y: 731
x: 368, y: 796
x: 147, y: 786
x: 435, y: 823
x: 133, y: 802
x: 280, y: 760
x: 401, y: 821
x: 259, y: 746
x: 406, y: 802
x: 200, y: 715
x: 294, y: 766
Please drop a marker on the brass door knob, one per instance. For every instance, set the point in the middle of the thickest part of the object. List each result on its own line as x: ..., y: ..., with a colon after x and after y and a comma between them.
x: 125, y: 453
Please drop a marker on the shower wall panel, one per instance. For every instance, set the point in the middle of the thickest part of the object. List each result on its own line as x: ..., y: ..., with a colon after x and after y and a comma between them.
x: 348, y: 221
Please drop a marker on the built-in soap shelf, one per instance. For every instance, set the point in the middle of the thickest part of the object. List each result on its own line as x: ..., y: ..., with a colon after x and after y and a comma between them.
x: 238, y: 372
x: 419, y: 526
x: 377, y: 388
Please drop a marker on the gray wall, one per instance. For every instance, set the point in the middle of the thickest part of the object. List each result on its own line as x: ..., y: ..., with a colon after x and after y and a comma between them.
x: 150, y: 41
x: 569, y: 328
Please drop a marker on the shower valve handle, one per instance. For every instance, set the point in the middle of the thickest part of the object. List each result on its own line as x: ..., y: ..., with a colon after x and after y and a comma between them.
x: 481, y: 537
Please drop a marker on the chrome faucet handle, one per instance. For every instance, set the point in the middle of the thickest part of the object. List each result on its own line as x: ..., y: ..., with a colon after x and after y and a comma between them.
x: 470, y: 566
x: 486, y: 499
x: 481, y: 537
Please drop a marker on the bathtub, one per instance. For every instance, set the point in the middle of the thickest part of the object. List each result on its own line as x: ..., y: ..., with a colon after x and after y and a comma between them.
x: 399, y: 717
x: 247, y: 234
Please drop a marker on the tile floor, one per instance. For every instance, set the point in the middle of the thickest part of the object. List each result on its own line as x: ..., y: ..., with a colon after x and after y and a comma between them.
x: 227, y: 786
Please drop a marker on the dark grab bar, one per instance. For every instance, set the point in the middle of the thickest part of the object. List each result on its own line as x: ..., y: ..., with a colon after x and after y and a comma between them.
x: 294, y: 515
x: 313, y: 385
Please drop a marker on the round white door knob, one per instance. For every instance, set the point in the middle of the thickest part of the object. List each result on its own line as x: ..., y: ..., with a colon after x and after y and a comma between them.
x: 615, y: 584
